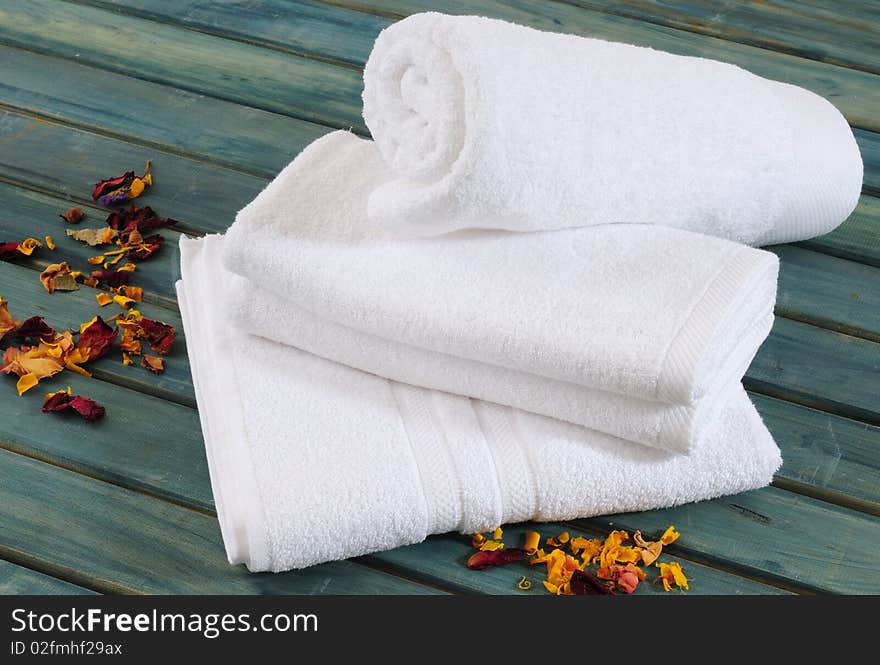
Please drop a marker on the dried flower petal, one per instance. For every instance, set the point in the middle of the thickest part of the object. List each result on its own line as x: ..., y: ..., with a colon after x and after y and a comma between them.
x: 145, y: 249
x: 93, y: 237
x: 159, y: 335
x: 477, y: 539
x: 137, y: 219
x: 73, y: 216
x: 626, y: 578
x: 7, y: 323
x: 50, y: 243
x: 26, y: 382
x: 61, y: 400
x: 121, y: 188
x: 487, y: 546
x: 126, y: 359
x: 498, y: 533
x: 32, y: 331
x: 524, y: 583
x: 583, y: 583
x: 103, y: 299
x: 57, y: 277
x: 669, y: 536
x: 135, y: 293
x: 95, y: 338
x: 28, y: 245
x: 489, y: 559
x: 156, y: 365
x: 532, y: 540
x: 112, y: 278
x: 671, y: 573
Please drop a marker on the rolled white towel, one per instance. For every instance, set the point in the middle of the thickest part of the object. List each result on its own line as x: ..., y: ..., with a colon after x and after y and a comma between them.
x: 637, y: 331
x: 487, y: 124
x: 312, y: 461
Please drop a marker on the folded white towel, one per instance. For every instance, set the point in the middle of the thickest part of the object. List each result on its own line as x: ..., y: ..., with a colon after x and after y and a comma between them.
x: 488, y: 124
x: 635, y: 330
x: 312, y: 461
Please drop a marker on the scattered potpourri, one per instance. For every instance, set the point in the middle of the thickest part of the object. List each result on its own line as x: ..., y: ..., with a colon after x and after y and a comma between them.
x: 567, y: 560
x: 17, y: 249
x: 122, y: 188
x: 89, y: 409
x: 34, y: 350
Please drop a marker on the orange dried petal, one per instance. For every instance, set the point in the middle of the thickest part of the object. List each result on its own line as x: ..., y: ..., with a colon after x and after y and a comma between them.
x: 669, y: 536
x: 103, y: 299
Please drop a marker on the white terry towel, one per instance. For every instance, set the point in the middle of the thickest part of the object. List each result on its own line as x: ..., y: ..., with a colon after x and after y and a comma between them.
x: 311, y: 460
x: 637, y: 331
x: 487, y: 124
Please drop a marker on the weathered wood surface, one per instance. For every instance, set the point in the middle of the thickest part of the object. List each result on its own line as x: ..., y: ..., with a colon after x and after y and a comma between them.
x: 17, y: 581
x: 268, y: 74
x: 115, y: 540
x: 841, y: 32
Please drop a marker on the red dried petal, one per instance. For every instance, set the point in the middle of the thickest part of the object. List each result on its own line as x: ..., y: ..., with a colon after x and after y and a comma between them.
x: 482, y: 560
x: 112, y: 277
x: 159, y: 335
x: 9, y: 250
x: 146, y: 249
x: 584, y: 583
x: 89, y: 409
x: 97, y: 338
x: 143, y: 219
x: 106, y: 186
x: 56, y: 402
x: 32, y: 331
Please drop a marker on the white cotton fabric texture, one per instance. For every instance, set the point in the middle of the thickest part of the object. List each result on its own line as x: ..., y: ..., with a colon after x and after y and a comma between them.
x: 313, y: 461
x: 487, y: 124
x: 637, y: 331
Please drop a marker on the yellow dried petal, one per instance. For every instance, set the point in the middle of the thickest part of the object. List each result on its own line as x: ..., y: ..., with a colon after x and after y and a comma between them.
x: 532, y: 540
x: 127, y: 267
x: 498, y: 533
x: 523, y: 584
x: 669, y: 536
x: 491, y: 546
x: 672, y: 572
x: 126, y: 359
x: 477, y: 539
x: 123, y: 301
x: 136, y: 188
x: 95, y: 260
x: 50, y: 243
x: 563, y: 537
x: 28, y: 245
x: 552, y: 588
x: 57, y: 392
x: 83, y: 326
x: 26, y: 382
x: 103, y: 299
x: 589, y: 548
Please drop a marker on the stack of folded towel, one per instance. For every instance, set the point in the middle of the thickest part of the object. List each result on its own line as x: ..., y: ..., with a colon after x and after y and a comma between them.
x: 523, y: 300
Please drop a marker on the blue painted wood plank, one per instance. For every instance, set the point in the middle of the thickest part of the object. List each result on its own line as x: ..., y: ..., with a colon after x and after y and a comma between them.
x: 127, y: 542
x: 818, y: 368
x: 300, y: 87
x: 16, y: 580
x: 844, y: 33
x: 827, y: 291
x: 776, y: 533
x: 173, y: 120
x: 857, y: 239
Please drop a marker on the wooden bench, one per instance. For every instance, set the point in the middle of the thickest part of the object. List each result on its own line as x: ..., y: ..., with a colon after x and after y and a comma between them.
x: 221, y: 96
